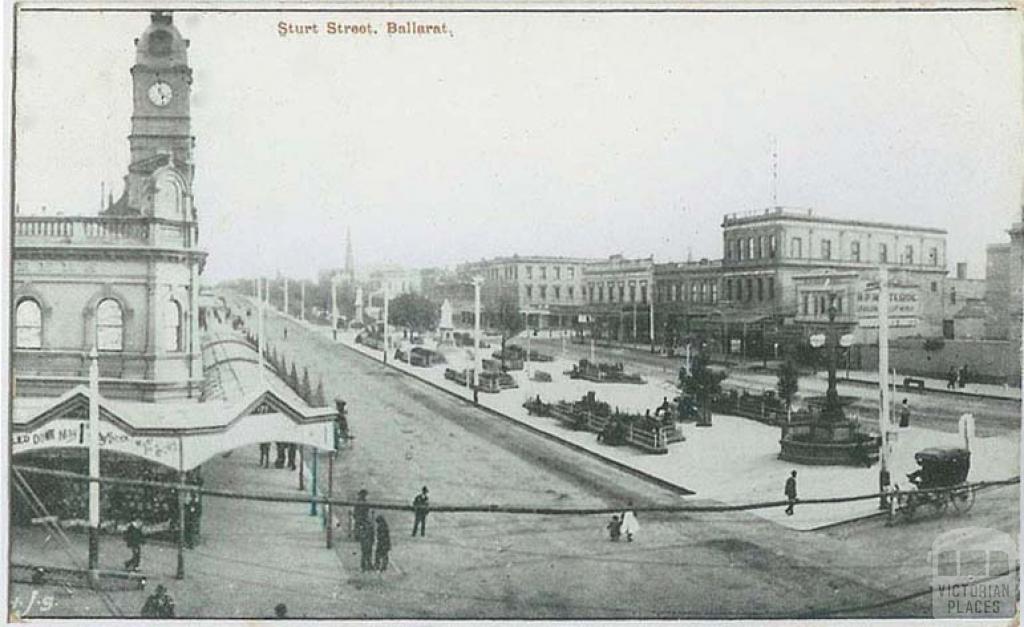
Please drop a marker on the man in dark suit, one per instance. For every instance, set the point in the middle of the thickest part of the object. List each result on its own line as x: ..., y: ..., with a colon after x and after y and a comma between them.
x: 790, y: 492
x: 421, y: 506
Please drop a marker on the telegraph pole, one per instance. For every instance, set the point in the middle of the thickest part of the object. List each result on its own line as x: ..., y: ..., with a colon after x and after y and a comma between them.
x: 883, y: 384
x: 477, y: 280
x: 334, y: 306
x: 94, y: 465
x: 260, y: 341
x: 387, y: 328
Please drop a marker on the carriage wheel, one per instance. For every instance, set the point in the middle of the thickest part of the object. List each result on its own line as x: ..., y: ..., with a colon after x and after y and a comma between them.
x: 906, y: 505
x: 939, y: 503
x: 963, y: 499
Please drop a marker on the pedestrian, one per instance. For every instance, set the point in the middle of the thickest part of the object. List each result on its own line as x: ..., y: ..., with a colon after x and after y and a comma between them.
x: 962, y: 379
x: 279, y: 449
x: 615, y: 529
x: 790, y: 492
x: 951, y: 378
x: 361, y: 512
x: 264, y: 454
x: 292, y: 447
x: 159, y: 604
x: 904, y: 414
x: 383, y: 545
x: 364, y: 534
x: 630, y: 526
x: 421, y: 506
x: 133, y: 538
x: 193, y: 510
x: 280, y: 611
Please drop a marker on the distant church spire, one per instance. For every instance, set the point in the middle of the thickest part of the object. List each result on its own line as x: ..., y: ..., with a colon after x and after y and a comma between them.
x: 350, y: 265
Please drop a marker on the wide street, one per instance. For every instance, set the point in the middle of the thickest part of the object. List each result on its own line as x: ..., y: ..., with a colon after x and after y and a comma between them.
x: 408, y: 434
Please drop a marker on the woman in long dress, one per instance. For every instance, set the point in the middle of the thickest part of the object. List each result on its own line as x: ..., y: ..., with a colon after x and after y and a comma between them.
x: 629, y: 523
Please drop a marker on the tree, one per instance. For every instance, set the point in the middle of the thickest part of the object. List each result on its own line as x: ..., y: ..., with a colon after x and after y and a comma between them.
x: 507, y: 319
x: 304, y: 390
x: 702, y: 384
x: 293, y: 378
x: 789, y: 382
x: 414, y: 312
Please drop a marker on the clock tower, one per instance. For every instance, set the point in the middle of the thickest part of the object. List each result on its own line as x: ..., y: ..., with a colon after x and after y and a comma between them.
x: 159, y: 180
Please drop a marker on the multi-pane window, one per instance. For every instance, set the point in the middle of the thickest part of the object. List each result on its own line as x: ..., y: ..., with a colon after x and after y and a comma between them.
x: 796, y: 248
x: 543, y: 272
x: 632, y: 292
x: 908, y: 255
x: 28, y: 325
x: 622, y: 293
x: 728, y: 289
x: 757, y: 247
x: 771, y: 288
x: 109, y: 326
x: 529, y: 272
x: 750, y: 289
x: 558, y: 273
x: 543, y: 290
x: 600, y: 293
x: 883, y: 253
x: 826, y: 249
x: 571, y: 290
x: 693, y: 292
x: 643, y: 292
x: 760, y: 288
x: 933, y: 256
x: 855, y: 251
x: 714, y: 291
x: 172, y: 326
x: 771, y: 246
x: 558, y: 292
x: 529, y: 291
x: 572, y: 272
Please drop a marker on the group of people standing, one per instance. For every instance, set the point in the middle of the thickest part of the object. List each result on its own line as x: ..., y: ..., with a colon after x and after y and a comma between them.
x: 285, y: 454
x: 956, y: 378
x: 378, y: 536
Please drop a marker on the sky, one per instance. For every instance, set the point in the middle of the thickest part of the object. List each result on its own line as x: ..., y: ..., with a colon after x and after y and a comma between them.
x: 526, y: 133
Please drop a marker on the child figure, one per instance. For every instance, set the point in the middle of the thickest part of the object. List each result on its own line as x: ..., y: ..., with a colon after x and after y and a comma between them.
x: 615, y: 529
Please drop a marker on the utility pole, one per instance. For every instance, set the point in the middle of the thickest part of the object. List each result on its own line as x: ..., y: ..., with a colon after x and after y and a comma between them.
x: 387, y: 329
x: 94, y: 466
x: 651, y: 329
x: 260, y: 341
x: 477, y: 280
x: 334, y: 306
x: 884, y: 421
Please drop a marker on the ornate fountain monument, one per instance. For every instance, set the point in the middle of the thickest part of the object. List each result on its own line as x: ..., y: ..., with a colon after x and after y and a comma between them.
x: 825, y: 436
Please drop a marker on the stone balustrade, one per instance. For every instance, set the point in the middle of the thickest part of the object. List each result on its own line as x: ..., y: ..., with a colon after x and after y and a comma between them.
x: 83, y: 230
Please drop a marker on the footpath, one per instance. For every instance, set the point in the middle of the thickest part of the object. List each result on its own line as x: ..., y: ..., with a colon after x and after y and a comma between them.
x: 261, y: 553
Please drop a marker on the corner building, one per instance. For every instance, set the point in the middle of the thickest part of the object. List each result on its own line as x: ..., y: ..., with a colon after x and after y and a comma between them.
x: 126, y: 280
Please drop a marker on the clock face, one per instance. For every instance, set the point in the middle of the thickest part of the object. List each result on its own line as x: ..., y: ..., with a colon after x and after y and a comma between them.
x: 160, y: 93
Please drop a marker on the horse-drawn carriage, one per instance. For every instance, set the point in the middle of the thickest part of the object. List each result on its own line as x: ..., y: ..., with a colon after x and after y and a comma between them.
x: 940, y: 481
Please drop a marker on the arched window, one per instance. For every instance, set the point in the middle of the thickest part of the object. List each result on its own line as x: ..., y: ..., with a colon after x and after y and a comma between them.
x: 28, y: 324
x: 109, y: 326
x: 172, y: 326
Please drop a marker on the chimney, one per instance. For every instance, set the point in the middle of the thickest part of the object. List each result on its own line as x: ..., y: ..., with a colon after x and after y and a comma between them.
x: 961, y: 270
